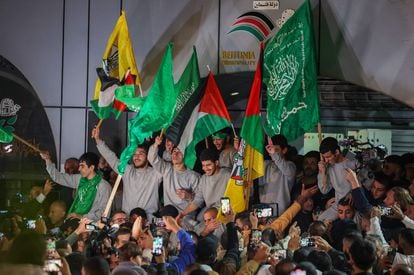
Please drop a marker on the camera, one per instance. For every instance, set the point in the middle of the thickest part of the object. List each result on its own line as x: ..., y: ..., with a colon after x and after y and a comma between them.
x: 307, y: 242
x: 385, y: 211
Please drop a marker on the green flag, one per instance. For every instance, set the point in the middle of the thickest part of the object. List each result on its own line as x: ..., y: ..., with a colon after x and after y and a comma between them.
x: 157, y: 111
x: 188, y: 83
x: 6, y: 130
x: 291, y: 79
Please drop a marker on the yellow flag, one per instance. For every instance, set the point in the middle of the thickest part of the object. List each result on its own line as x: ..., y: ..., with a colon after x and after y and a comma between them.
x: 119, y: 55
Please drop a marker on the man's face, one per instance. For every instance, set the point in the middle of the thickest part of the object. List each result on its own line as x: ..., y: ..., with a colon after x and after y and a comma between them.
x: 209, y: 167
x: 122, y: 239
x: 140, y: 158
x: 56, y: 213
x: 345, y: 212
x: 262, y: 251
x: 177, y: 156
x: 119, y: 218
x: 390, y: 169
x: 219, y: 143
x: 330, y: 157
x: 310, y: 166
x: 85, y: 170
x: 378, y: 191
x: 168, y: 145
x: 389, y: 199
x: 71, y: 167
x: 308, y: 205
x: 145, y: 241
x: 209, y: 217
x: 103, y: 164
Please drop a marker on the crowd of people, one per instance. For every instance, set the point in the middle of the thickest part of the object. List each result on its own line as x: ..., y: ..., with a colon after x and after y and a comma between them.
x: 321, y: 213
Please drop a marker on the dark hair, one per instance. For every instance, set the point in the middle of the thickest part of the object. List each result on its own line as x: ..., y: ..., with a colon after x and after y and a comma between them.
x: 308, y: 267
x: 209, y: 154
x: 313, y: 154
x: 321, y: 260
x: 383, y: 179
x: 129, y: 250
x: 139, y: 212
x: 329, y: 144
x: 90, y: 158
x: 28, y: 248
x: 363, y: 254
x: 122, y: 231
x: 408, y: 235
x: 269, y: 236
x: 301, y: 254
x: 280, y: 140
x: 345, y: 201
x: 284, y: 267
x: 75, y: 261
x: 96, y: 266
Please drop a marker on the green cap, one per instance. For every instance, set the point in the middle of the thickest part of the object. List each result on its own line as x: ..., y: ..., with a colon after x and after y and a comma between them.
x: 219, y: 135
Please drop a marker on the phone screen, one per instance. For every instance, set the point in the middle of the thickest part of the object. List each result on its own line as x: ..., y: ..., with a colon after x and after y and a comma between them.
x: 256, y: 236
x: 264, y: 212
x: 90, y: 227
x: 31, y: 224
x: 52, y: 265
x: 225, y: 205
x: 157, y: 245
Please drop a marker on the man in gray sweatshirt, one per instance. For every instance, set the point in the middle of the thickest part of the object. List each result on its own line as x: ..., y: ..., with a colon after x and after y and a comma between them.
x: 212, y: 184
x: 179, y: 182
x: 332, y: 174
x: 140, y: 181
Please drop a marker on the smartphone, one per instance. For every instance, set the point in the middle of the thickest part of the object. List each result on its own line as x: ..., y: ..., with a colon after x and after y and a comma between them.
x: 264, y: 212
x: 280, y: 254
x: 52, y: 265
x: 50, y: 248
x: 31, y: 224
x: 385, y: 211
x: 157, y: 244
x: 256, y: 236
x: 90, y: 226
x: 225, y: 205
x: 307, y: 242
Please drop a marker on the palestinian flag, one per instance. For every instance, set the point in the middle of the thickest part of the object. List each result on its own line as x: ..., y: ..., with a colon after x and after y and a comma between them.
x: 208, y: 117
x: 252, y: 130
x: 109, y: 87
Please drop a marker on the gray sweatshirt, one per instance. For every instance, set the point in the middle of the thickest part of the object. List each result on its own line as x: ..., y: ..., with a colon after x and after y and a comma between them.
x: 140, y: 185
x: 226, y: 158
x: 173, y: 179
x: 211, y: 188
x: 335, y: 178
x: 278, y: 182
x: 102, y: 195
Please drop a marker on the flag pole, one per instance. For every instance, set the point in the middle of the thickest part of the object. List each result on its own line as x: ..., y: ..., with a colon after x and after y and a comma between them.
x: 162, y: 133
x: 249, y: 179
x: 206, y: 141
x: 112, y: 196
x: 234, y: 131
x: 140, y: 89
x: 99, y: 123
x: 27, y: 143
x: 324, y: 178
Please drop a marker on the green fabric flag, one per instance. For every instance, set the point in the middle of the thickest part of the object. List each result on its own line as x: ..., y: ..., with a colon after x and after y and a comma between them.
x: 85, y: 194
x: 157, y: 111
x: 291, y: 78
x: 6, y: 130
x: 188, y: 83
